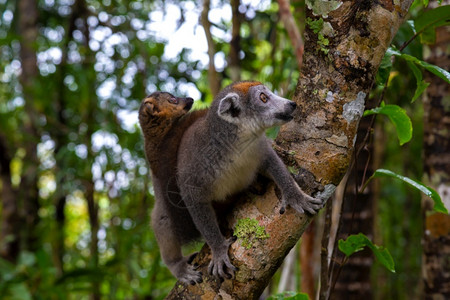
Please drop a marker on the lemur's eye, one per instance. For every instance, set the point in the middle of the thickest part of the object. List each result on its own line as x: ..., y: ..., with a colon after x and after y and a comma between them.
x: 173, y: 100
x: 263, y: 97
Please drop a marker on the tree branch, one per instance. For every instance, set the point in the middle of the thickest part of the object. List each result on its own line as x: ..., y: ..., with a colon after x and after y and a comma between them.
x: 318, y: 143
x: 235, y: 44
x: 292, y: 29
x: 213, y: 78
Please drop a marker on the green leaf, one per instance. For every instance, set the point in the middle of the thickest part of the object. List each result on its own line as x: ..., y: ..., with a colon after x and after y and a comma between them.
x: 416, y: 71
x: 315, y: 25
x: 427, y: 22
x: 383, y: 256
x: 398, y: 116
x: 355, y: 243
x: 441, y: 73
x: 410, y: 23
x: 421, y: 84
x: 289, y: 296
x: 384, y: 69
x: 421, y: 87
x: 438, y: 205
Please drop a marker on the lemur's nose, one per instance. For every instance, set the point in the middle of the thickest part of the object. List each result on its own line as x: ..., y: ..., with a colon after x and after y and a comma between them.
x: 293, y: 104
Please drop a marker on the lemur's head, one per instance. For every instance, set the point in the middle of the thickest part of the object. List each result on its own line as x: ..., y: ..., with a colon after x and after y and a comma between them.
x: 163, y: 104
x: 252, y: 105
x: 160, y: 109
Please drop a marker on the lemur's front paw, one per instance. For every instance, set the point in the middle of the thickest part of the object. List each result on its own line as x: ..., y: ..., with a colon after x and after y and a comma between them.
x: 302, y: 203
x: 220, y: 265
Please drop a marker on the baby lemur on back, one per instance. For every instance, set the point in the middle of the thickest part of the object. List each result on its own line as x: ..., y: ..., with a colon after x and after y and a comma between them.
x: 220, y: 153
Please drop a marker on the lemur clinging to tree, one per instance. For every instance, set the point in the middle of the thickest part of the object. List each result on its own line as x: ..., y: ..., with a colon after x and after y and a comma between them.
x: 220, y: 153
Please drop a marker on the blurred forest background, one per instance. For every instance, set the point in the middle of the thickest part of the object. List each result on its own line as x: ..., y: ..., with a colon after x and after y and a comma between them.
x: 75, y: 188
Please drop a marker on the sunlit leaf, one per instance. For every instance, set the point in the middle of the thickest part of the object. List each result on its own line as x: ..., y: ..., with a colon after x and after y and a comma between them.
x: 398, y: 117
x: 438, y: 205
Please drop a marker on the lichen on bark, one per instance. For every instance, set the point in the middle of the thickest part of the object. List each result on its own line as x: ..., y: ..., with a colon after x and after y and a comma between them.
x: 248, y: 231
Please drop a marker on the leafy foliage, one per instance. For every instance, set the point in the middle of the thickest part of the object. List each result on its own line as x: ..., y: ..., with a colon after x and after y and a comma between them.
x: 426, y: 23
x: 289, y: 296
x: 355, y: 243
x: 441, y: 73
x: 398, y: 117
x: 438, y: 205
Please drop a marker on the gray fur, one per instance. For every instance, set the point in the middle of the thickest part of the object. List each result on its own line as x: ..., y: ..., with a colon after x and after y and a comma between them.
x: 220, y: 155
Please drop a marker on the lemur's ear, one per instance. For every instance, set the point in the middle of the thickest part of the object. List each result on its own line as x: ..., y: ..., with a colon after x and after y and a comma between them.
x: 229, y: 106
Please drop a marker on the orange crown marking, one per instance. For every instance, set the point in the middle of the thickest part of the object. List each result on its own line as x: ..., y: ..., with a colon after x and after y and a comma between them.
x: 244, y: 86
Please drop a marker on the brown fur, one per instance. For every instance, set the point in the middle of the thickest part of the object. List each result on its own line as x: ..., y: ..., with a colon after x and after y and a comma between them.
x: 163, y: 124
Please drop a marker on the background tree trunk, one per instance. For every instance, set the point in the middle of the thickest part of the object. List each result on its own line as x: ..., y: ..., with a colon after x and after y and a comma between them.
x: 318, y: 143
x: 436, y: 237
x: 353, y: 281
x: 28, y: 192
x: 10, y: 222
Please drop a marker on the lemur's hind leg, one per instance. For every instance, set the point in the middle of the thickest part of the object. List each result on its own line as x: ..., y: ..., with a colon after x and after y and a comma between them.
x: 170, y: 248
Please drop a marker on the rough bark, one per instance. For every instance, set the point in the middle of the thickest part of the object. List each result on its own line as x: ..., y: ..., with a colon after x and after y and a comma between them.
x: 318, y: 143
x: 213, y: 78
x: 436, y: 237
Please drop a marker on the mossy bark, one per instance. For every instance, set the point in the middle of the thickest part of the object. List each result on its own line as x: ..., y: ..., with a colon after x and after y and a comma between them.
x: 319, y: 141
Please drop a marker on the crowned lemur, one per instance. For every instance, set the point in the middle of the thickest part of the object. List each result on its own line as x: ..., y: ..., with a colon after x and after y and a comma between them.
x: 212, y: 154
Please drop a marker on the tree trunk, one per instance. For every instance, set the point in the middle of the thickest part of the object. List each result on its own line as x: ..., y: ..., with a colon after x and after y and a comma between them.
x: 28, y: 194
x: 307, y: 253
x: 436, y: 237
x: 318, y: 143
x: 10, y: 222
x: 356, y: 216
